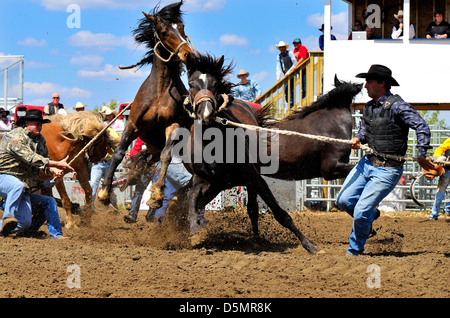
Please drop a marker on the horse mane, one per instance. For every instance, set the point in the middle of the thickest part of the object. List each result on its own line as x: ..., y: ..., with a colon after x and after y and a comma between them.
x: 80, y: 125
x: 145, y: 31
x: 340, y: 97
x: 208, y: 64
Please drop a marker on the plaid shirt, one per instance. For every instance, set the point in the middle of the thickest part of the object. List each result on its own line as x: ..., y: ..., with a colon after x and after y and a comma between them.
x: 22, y: 156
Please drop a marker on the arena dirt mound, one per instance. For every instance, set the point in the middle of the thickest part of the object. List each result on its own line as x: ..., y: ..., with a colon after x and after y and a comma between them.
x: 117, y: 259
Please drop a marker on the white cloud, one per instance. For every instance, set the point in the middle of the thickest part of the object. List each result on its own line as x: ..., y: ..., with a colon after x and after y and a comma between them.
x: 189, y: 5
x: 48, y: 88
x: 30, y: 41
x: 339, y: 22
x: 259, y: 77
x: 101, y: 40
x: 233, y: 39
x: 111, y: 72
x: 87, y: 60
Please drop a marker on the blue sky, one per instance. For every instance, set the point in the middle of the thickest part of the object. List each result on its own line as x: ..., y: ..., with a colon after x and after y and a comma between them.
x: 81, y: 63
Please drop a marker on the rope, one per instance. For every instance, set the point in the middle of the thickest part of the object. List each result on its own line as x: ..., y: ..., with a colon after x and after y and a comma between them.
x: 99, y: 134
x: 225, y: 122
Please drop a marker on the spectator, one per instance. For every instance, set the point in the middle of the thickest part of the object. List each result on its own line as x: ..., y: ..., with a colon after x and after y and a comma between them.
x: 99, y: 171
x: 321, y: 41
x: 5, y: 122
x: 375, y: 176
x: 285, y: 64
x: 79, y: 107
x: 54, y: 106
x: 247, y: 90
x: 109, y: 115
x: 23, y: 160
x: 397, y: 30
x: 301, y: 54
x: 438, y: 29
x: 442, y: 153
x: 358, y: 27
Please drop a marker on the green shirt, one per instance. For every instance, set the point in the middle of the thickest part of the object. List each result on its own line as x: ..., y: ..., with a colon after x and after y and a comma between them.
x: 22, y: 156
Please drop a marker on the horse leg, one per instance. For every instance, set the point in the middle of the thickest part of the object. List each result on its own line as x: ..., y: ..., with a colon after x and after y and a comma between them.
x: 281, y: 215
x: 65, y: 201
x: 253, y: 210
x: 127, y: 137
x: 83, y: 178
x: 157, y: 193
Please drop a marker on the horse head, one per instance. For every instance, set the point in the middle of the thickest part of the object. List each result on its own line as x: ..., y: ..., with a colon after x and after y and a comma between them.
x: 352, y: 89
x: 208, y: 88
x: 163, y: 33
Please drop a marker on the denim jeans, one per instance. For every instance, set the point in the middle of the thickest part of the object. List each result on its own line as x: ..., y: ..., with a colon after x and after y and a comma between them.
x: 176, y: 177
x: 44, y: 209
x: 30, y: 210
x: 16, y: 201
x: 440, y: 196
x: 363, y: 189
x: 99, y: 171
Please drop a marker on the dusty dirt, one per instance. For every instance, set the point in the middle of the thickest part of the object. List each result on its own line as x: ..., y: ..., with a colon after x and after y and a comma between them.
x: 410, y: 255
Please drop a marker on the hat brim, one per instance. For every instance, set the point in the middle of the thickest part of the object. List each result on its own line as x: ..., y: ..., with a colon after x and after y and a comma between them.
x: 390, y: 79
x: 285, y: 45
x: 22, y: 120
x: 246, y: 74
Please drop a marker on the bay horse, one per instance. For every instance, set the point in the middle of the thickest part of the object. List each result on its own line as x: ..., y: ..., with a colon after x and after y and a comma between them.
x: 157, y: 109
x: 209, y: 89
x: 67, y: 135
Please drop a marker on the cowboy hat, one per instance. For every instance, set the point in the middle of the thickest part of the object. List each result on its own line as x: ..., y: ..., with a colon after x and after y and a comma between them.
x: 281, y: 44
x: 5, y: 111
x: 33, y: 115
x: 321, y: 28
x: 79, y: 105
x: 242, y: 72
x: 109, y: 111
x: 400, y: 13
x: 378, y: 71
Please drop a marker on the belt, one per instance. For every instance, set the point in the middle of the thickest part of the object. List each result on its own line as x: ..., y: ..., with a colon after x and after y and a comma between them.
x: 378, y: 162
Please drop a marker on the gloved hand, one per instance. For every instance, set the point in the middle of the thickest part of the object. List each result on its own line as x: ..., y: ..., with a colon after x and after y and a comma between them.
x: 49, y: 183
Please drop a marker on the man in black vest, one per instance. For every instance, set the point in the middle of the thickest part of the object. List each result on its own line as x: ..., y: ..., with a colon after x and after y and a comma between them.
x: 384, y: 127
x: 53, y: 107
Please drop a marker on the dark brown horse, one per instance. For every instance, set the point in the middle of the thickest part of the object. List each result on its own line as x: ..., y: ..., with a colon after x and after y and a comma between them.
x: 224, y: 163
x: 66, y: 136
x: 305, y: 158
x: 157, y: 109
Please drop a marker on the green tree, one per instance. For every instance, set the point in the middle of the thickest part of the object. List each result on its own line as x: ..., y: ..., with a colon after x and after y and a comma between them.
x: 113, y: 104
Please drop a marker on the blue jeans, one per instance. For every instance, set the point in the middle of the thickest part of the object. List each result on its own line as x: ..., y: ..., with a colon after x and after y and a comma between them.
x: 176, y: 177
x: 44, y: 209
x: 440, y: 196
x: 17, y: 201
x: 30, y: 210
x: 99, y: 171
x: 363, y: 189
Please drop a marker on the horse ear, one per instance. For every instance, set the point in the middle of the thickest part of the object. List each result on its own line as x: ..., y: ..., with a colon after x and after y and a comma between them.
x: 149, y: 16
x: 220, y: 61
x: 189, y: 62
x: 337, y: 82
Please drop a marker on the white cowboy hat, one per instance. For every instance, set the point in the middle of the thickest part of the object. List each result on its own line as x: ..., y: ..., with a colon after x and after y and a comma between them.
x: 79, y: 105
x: 109, y: 111
x: 281, y: 44
x: 400, y: 13
x: 242, y: 72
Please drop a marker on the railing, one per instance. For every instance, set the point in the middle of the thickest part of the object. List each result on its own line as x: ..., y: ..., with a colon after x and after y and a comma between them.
x: 309, y: 72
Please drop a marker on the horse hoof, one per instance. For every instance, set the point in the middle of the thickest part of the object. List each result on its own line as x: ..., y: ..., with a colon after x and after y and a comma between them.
x: 71, y: 225
x: 103, y: 195
x: 154, y: 204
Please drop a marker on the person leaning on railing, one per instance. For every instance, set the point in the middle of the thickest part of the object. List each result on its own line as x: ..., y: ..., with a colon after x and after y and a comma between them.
x: 439, y: 28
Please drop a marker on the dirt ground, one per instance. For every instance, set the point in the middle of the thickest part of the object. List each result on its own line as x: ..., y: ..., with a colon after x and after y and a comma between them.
x: 408, y: 258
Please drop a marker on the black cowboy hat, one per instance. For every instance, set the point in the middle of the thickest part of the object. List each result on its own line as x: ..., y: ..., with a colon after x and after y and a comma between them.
x: 321, y: 28
x: 381, y: 72
x: 3, y: 110
x: 32, y: 115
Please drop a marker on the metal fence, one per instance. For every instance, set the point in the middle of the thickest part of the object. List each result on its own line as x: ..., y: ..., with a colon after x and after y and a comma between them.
x: 11, y: 81
x: 321, y: 194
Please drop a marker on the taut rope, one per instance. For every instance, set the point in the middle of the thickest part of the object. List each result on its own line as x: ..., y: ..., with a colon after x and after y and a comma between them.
x: 225, y: 122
